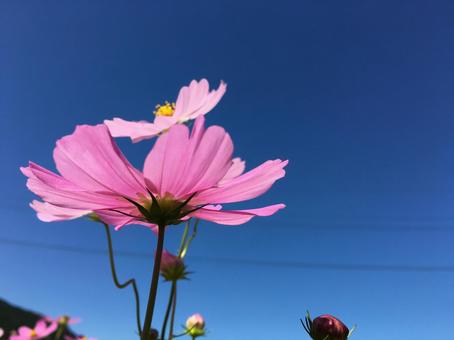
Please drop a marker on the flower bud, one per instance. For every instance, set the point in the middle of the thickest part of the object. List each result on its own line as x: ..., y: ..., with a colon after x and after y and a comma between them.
x: 327, y: 327
x: 195, y: 325
x: 172, y: 267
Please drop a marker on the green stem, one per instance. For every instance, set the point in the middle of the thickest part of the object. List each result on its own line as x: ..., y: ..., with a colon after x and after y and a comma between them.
x: 59, y: 332
x: 184, y: 249
x: 184, y: 238
x: 169, y: 307
x: 174, y: 307
x: 120, y: 285
x: 147, y: 334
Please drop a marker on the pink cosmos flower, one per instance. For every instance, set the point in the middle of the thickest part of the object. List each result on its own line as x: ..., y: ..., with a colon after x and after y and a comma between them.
x: 63, y: 320
x: 193, y: 101
x: 41, y: 330
x: 186, y: 174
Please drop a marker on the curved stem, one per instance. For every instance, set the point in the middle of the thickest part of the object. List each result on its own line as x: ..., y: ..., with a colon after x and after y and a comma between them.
x: 120, y: 285
x: 169, y: 307
x: 174, y: 307
x: 147, y: 334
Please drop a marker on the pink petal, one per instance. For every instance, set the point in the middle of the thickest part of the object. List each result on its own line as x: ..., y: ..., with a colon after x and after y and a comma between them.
x: 49, y: 330
x: 58, y: 191
x: 247, y: 186
x: 18, y: 337
x: 211, y: 161
x: 162, y: 163
x: 91, y: 159
x: 236, y: 169
x: 137, y: 131
x: 41, y: 327
x: 179, y: 164
x: 24, y: 331
x: 116, y: 219
x: 235, y: 217
x: 196, y: 100
x: 119, y: 220
x: 47, y: 212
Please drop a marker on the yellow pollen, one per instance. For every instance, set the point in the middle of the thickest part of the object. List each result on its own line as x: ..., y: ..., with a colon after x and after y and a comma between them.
x: 167, y: 110
x: 33, y: 333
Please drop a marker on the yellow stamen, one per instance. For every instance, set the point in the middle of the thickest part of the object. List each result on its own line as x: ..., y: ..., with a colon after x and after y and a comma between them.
x: 167, y: 110
x: 33, y: 333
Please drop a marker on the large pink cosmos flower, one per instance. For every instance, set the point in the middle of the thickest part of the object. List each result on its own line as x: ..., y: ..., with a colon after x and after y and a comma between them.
x: 186, y: 174
x: 193, y: 101
x: 40, y: 331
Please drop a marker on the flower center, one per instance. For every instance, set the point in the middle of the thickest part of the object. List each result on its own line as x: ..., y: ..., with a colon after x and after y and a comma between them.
x: 33, y: 333
x: 63, y: 320
x: 167, y: 110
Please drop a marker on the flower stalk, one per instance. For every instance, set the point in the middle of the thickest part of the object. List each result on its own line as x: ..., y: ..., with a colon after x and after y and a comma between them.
x: 174, y: 307
x: 147, y: 333
x: 169, y: 308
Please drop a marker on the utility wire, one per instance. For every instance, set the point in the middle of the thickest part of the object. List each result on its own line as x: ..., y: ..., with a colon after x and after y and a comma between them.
x: 250, y: 262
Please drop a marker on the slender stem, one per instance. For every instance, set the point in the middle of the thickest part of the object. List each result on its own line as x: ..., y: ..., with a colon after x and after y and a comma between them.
x: 184, y: 237
x: 169, y: 307
x: 120, y: 285
x: 174, y: 307
x: 146, y: 334
x: 184, y: 249
x: 59, y: 332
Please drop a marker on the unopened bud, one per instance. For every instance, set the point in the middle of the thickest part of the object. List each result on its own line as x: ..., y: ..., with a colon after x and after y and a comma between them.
x: 172, y: 267
x: 195, y: 325
x: 326, y: 327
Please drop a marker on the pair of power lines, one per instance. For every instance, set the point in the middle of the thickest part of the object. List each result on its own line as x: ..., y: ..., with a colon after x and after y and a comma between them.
x: 247, y: 262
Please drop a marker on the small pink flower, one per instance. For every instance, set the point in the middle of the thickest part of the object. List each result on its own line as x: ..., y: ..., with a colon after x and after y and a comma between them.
x: 193, y: 101
x: 186, y: 174
x: 63, y: 320
x: 195, y: 325
x: 41, y: 330
x: 172, y: 267
x: 1, y: 332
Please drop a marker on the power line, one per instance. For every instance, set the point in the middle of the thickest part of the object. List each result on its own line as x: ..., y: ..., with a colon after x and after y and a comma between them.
x: 250, y: 262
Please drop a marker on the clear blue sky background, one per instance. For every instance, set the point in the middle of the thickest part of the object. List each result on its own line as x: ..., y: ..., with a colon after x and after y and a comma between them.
x: 357, y: 94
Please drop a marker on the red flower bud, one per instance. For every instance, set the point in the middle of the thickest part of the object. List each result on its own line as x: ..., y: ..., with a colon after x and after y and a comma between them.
x: 326, y: 327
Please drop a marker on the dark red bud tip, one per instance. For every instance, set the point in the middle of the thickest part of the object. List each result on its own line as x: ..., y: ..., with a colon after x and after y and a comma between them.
x: 328, y: 327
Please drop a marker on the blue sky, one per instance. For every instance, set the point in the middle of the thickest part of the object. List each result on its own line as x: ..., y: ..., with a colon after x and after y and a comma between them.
x: 357, y: 95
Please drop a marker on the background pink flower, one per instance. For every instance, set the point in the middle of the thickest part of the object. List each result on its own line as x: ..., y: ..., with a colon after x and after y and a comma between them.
x: 41, y: 330
x: 193, y: 101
